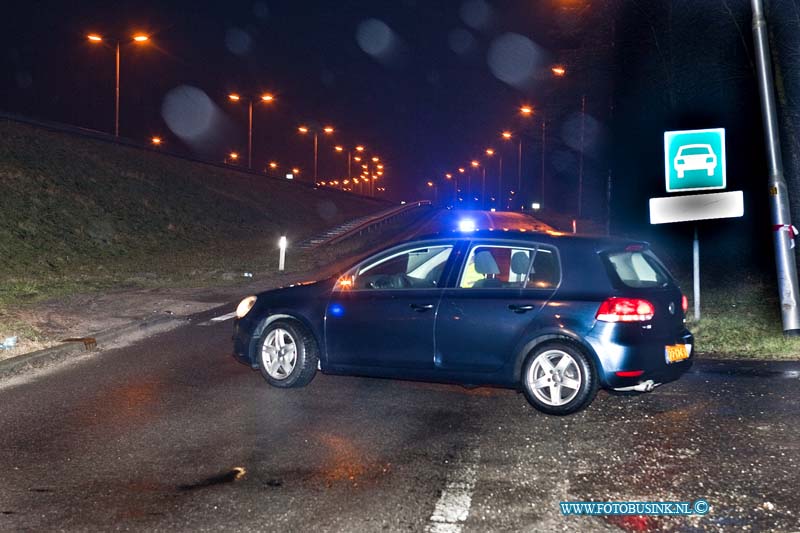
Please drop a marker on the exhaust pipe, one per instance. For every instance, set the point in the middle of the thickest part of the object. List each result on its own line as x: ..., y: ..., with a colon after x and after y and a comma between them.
x: 645, y: 386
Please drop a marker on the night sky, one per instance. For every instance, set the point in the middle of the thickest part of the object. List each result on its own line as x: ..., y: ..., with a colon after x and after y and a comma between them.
x: 431, y: 104
x: 426, y: 85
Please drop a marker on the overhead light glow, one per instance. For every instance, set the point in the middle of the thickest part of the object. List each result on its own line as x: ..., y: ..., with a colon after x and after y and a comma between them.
x: 466, y: 225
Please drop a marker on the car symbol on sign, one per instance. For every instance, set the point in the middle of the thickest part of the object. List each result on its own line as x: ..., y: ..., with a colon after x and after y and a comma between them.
x: 695, y: 157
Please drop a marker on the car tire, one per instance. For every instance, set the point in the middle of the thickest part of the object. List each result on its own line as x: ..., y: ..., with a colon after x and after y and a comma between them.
x: 558, y: 378
x: 287, y: 354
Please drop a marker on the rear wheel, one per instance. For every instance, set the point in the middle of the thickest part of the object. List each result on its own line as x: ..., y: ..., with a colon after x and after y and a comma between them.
x: 288, y: 354
x: 559, y: 379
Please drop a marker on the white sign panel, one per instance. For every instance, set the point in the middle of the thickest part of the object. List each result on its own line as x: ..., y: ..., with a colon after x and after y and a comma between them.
x: 696, y: 207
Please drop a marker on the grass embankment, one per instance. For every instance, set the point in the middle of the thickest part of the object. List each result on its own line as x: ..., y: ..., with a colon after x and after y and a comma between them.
x: 741, y: 319
x: 79, y: 214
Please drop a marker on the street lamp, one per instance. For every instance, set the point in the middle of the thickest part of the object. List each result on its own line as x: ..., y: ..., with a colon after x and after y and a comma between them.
x: 231, y: 158
x: 139, y: 38
x: 490, y: 152
x: 327, y: 130
x: 266, y: 98
x: 350, y: 158
x: 156, y: 141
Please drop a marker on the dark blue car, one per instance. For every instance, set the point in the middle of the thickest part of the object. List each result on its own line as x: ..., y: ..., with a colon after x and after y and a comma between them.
x: 557, y: 316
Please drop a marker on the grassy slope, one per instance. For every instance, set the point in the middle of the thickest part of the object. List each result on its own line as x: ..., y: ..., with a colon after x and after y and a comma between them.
x: 81, y: 214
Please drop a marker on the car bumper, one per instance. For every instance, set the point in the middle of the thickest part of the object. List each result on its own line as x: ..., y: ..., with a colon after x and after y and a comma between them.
x: 243, y: 342
x: 622, y: 348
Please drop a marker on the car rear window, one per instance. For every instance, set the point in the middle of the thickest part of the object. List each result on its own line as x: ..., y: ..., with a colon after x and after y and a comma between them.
x: 638, y: 269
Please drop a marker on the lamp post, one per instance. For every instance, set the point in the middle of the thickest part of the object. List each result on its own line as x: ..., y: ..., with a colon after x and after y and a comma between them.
x: 461, y: 170
x: 435, y: 191
x: 507, y: 135
x: 449, y: 177
x: 341, y: 149
x: 490, y: 153
x: 327, y: 130
x: 137, y: 39
x: 266, y: 98
x: 476, y: 165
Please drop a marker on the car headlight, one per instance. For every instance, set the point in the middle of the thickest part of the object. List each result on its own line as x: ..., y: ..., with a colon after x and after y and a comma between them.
x: 245, y: 306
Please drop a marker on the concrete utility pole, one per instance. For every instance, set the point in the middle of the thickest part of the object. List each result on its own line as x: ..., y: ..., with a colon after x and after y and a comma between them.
x: 783, y: 233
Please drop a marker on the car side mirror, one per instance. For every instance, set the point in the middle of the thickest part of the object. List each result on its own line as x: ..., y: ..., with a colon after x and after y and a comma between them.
x: 344, y: 283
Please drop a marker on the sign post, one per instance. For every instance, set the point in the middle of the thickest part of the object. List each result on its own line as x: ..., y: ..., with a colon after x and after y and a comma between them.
x: 694, y: 160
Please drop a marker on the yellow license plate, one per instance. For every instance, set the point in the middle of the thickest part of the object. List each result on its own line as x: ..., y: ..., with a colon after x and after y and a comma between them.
x: 676, y: 352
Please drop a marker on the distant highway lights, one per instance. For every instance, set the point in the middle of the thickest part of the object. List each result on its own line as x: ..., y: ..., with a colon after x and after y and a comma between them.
x: 327, y: 130
x: 272, y: 168
x: 231, y: 158
x: 156, y: 141
x: 139, y: 39
x: 265, y: 98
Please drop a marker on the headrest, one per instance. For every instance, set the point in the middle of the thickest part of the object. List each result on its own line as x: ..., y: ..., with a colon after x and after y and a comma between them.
x: 520, y: 262
x: 485, y: 263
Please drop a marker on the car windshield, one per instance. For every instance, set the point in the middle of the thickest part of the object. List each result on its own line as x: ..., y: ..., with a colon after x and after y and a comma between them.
x: 695, y: 150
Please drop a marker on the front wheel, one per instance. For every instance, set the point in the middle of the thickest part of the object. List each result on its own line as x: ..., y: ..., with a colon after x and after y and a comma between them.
x: 559, y: 379
x: 288, y: 354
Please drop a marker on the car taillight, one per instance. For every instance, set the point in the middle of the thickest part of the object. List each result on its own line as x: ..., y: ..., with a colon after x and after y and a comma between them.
x: 684, y: 303
x: 625, y: 310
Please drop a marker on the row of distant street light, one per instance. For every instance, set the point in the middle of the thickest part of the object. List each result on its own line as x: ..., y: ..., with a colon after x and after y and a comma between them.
x: 372, y: 168
x: 507, y: 195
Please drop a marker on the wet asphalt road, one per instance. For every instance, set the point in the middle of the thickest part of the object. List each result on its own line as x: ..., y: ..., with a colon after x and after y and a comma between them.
x: 173, y: 434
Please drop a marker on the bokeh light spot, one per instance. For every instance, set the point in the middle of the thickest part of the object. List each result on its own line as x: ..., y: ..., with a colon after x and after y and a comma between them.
x: 476, y: 14
x: 513, y: 59
x: 238, y: 41
x: 375, y: 38
x: 461, y: 41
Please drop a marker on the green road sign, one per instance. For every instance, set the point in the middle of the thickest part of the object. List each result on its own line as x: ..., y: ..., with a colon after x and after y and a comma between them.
x: 694, y: 160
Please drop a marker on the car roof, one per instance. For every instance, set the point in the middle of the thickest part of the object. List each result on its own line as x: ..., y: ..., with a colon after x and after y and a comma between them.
x: 695, y: 146
x: 555, y: 238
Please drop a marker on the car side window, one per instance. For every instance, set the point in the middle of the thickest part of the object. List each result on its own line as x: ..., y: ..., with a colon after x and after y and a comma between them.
x: 496, y: 267
x: 420, y: 268
x: 545, y: 272
x: 510, y: 267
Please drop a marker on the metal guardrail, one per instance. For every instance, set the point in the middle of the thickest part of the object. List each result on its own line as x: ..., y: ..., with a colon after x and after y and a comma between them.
x: 379, y: 220
x: 121, y: 141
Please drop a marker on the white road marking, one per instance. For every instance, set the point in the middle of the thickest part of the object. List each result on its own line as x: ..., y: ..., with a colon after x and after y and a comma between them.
x: 223, y: 318
x: 217, y: 319
x: 452, y: 509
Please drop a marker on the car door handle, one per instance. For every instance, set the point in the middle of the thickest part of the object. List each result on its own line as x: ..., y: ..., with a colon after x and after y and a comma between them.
x: 520, y: 308
x: 421, y: 308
